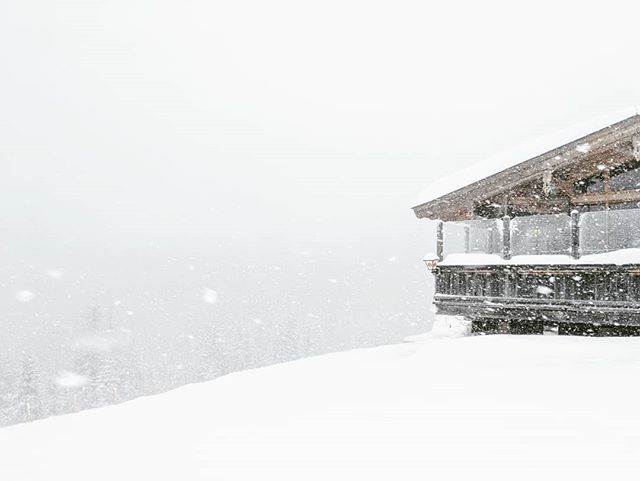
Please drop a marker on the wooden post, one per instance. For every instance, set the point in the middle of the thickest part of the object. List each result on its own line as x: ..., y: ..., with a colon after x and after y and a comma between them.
x: 506, y: 237
x: 508, y: 288
x: 606, y: 177
x: 575, y: 234
x: 440, y: 240
x: 467, y: 239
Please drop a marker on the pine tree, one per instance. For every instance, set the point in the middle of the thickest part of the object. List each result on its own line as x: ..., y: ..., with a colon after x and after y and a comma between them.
x: 29, y: 391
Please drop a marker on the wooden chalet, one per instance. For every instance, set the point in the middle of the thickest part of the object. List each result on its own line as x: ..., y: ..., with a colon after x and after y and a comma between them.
x: 551, y: 243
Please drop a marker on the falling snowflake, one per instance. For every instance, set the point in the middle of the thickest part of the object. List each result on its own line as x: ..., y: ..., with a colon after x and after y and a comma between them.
x: 55, y: 274
x: 210, y: 296
x: 70, y: 380
x: 583, y: 148
x: 25, y: 296
x: 544, y: 290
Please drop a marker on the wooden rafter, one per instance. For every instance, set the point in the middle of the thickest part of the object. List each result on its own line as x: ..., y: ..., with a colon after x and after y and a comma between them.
x: 611, y: 197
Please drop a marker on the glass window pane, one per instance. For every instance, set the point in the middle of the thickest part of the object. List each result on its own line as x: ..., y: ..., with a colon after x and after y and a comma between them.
x: 453, y: 238
x: 609, y: 230
x: 629, y: 180
x: 485, y: 236
x: 541, y: 234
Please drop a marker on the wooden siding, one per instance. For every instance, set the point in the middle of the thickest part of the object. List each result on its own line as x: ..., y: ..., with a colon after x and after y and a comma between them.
x: 582, y: 293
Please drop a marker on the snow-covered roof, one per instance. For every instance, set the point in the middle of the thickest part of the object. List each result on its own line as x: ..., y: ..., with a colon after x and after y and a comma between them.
x: 576, y: 140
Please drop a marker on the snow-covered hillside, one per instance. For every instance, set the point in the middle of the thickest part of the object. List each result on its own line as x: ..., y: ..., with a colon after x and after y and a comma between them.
x: 438, y: 407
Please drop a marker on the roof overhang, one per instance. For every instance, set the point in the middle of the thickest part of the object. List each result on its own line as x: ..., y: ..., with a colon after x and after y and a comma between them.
x: 460, y: 204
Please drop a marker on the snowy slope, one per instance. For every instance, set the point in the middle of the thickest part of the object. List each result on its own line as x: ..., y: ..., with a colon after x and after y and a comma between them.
x: 495, y: 407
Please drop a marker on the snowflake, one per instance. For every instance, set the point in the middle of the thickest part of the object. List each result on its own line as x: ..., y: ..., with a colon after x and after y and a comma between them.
x: 210, y: 296
x: 25, y: 296
x: 583, y: 148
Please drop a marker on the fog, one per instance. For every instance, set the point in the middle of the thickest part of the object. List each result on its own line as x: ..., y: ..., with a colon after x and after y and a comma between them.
x: 191, y: 188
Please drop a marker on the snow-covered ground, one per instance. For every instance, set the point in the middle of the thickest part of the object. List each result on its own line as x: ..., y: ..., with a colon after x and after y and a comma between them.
x: 436, y: 407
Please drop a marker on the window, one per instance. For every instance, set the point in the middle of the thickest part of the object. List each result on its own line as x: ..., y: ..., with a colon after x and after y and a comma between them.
x: 625, y: 180
x: 541, y: 234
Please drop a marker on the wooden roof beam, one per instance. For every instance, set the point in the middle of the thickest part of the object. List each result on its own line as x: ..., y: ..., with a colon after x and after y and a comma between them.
x: 612, y: 197
x: 523, y: 202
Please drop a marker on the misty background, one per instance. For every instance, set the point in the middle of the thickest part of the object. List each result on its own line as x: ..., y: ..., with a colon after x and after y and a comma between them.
x: 192, y: 188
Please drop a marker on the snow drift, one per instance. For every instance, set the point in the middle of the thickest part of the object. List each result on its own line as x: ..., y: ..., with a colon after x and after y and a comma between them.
x: 439, y: 407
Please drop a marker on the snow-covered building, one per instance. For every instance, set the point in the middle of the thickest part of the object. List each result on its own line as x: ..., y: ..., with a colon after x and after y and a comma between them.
x: 550, y: 241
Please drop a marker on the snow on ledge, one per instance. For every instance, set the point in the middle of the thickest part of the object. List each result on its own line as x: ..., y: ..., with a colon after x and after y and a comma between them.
x: 619, y: 257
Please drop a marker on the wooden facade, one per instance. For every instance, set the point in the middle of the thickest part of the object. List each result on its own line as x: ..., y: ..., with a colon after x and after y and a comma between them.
x: 587, y: 188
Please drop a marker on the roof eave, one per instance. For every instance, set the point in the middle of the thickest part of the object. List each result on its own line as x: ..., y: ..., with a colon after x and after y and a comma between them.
x: 440, y: 208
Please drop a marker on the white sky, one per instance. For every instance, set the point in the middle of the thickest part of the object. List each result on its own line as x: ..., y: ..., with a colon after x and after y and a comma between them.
x: 304, y: 107
x: 125, y: 121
